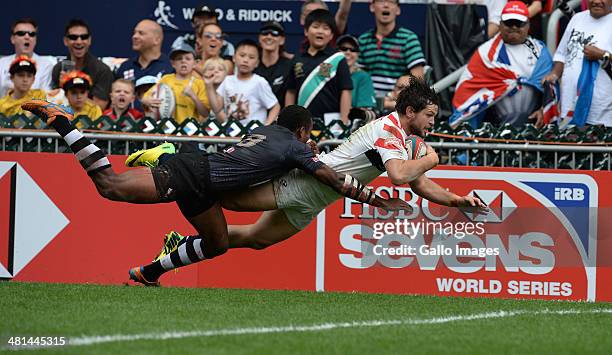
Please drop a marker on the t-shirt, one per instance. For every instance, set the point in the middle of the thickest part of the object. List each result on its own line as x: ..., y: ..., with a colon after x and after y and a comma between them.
x: 100, y: 74
x: 494, y: 10
x: 132, y: 113
x: 90, y: 109
x: 185, y: 107
x: 247, y: 100
x: 42, y: 80
x: 584, y: 29
x: 132, y: 70
x: 328, y: 99
x: 390, y: 58
x: 523, y: 57
x: 11, y: 107
x: 363, y: 90
x: 267, y: 152
x: 276, y: 75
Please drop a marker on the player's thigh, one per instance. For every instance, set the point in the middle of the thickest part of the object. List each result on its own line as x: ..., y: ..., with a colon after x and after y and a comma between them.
x: 259, y: 198
x: 271, y: 228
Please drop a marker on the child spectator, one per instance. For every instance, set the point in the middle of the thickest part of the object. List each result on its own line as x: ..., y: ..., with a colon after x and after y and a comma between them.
x: 143, y: 85
x: 245, y: 95
x: 215, y: 69
x: 189, y: 90
x: 76, y: 86
x: 122, y: 97
x: 320, y: 79
x: 22, y: 73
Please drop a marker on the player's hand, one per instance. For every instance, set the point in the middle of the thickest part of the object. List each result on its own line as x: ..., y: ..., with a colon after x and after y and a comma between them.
x: 432, y: 155
x: 593, y: 53
x: 151, y: 102
x: 314, y: 147
x: 395, y: 204
x: 471, y: 204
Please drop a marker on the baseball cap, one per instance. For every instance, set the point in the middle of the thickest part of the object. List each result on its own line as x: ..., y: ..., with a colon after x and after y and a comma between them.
x: 75, y: 79
x: 515, y: 10
x: 183, y: 47
x: 272, y: 25
x: 348, y: 38
x: 146, y: 80
x: 22, y: 63
x: 206, y: 10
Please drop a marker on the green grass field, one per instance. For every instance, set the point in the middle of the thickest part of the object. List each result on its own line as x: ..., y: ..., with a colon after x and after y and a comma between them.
x: 132, y: 320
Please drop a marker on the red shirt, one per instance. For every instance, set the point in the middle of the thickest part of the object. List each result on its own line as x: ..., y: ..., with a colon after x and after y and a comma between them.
x: 131, y: 113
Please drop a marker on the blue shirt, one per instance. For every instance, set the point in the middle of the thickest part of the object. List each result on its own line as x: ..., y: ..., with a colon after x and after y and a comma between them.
x: 131, y: 69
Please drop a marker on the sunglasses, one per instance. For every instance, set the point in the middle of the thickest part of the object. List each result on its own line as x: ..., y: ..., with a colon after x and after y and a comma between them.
x: 349, y: 49
x: 211, y: 35
x: 84, y: 37
x: 23, y: 33
x: 514, y: 23
x: 273, y: 33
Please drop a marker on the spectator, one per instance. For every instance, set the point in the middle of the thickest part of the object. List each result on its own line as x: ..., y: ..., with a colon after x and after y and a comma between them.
x: 582, y: 62
x: 390, y: 99
x: 203, y: 15
x: 341, y: 18
x: 274, y: 67
x: 143, y: 85
x: 146, y: 41
x: 23, y: 38
x: 76, y: 86
x: 77, y: 38
x: 215, y: 71
x: 320, y: 79
x: 210, y: 39
x: 494, y: 9
x: 189, y: 90
x: 363, y: 89
x: 388, y: 50
x: 22, y: 72
x: 122, y: 97
x: 244, y: 96
x: 535, y: 17
x: 504, y: 74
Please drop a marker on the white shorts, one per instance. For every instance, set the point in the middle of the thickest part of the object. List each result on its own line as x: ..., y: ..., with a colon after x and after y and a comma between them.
x: 302, y: 197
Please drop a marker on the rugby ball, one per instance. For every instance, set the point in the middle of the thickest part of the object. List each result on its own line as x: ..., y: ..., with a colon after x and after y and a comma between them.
x: 416, y: 147
x: 168, y: 101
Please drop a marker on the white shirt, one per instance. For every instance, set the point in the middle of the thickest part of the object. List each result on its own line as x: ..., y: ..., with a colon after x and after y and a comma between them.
x: 42, y: 80
x: 494, y: 10
x: 584, y: 29
x: 364, y: 153
x: 247, y: 100
x: 522, y: 58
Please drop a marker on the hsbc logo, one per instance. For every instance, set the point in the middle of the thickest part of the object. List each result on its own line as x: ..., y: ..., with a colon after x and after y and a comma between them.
x: 499, y: 202
x: 29, y: 220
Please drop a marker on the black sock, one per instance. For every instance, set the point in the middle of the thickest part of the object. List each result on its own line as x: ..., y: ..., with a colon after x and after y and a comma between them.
x: 190, y: 250
x: 92, y: 159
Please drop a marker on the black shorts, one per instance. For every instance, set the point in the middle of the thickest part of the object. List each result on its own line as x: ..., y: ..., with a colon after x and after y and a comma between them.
x: 185, y: 178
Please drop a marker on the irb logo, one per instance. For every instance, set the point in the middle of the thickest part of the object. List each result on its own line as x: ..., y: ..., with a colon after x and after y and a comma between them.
x: 569, y: 194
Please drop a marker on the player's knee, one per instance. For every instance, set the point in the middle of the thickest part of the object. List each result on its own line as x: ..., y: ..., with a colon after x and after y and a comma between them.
x: 217, y: 247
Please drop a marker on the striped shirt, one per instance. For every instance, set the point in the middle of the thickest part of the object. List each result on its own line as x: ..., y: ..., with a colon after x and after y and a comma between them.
x: 390, y: 58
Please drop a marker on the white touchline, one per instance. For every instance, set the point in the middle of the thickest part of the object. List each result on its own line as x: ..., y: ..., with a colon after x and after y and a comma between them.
x: 99, y: 339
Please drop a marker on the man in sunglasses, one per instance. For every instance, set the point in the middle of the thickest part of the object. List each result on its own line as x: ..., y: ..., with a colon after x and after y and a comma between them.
x: 77, y: 38
x: 502, y: 82
x: 23, y: 37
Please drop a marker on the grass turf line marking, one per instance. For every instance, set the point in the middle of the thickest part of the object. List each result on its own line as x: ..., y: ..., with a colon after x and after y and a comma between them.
x: 100, y: 339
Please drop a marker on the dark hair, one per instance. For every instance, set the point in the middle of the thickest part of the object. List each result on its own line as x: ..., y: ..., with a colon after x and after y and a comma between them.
x: 293, y: 117
x: 322, y: 16
x: 248, y: 43
x: 76, y: 22
x: 23, y: 20
x: 416, y: 95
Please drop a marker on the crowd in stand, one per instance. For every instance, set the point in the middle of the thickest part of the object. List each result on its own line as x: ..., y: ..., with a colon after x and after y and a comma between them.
x: 511, y: 78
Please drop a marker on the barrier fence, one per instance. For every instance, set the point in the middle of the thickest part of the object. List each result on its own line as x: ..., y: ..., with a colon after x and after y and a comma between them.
x: 525, y: 155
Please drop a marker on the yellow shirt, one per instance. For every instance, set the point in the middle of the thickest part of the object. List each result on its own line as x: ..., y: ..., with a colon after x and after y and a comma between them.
x: 185, y: 107
x: 90, y: 109
x: 11, y: 107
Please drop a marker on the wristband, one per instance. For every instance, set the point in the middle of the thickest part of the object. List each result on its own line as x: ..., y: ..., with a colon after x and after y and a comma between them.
x: 352, y: 188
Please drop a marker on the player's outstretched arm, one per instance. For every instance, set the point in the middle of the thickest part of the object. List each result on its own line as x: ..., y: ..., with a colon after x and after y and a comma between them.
x: 433, y: 192
x: 401, y: 171
x: 350, y: 187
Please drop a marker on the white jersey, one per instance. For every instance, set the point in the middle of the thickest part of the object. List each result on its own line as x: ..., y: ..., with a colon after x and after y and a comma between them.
x: 366, y: 151
x: 363, y: 156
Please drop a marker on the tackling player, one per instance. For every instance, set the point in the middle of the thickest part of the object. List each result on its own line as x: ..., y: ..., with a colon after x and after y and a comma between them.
x: 293, y: 200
